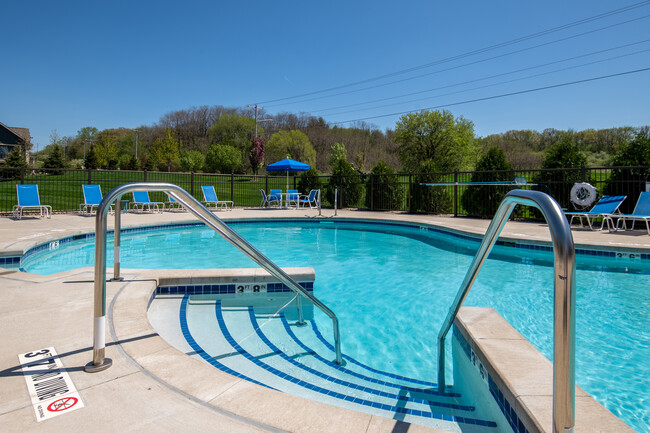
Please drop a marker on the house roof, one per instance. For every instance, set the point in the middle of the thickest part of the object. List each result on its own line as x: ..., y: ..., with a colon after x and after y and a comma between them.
x: 20, y: 133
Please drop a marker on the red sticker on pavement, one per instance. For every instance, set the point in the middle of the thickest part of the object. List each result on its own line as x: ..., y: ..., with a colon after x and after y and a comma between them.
x: 62, y: 404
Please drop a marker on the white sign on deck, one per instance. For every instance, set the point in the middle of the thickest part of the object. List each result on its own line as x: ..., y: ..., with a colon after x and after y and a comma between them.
x: 50, y: 387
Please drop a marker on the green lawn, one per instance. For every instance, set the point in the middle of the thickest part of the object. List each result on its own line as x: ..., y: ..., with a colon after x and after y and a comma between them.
x: 63, y: 192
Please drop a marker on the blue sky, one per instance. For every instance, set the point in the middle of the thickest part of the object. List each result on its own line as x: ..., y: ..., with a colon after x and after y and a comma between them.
x: 71, y: 64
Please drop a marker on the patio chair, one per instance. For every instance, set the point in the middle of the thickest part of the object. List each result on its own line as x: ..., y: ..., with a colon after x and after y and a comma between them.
x: 141, y: 200
x: 92, y: 198
x: 606, y: 207
x: 28, y: 199
x: 641, y: 212
x: 172, y: 204
x: 293, y: 197
x: 275, y: 195
x: 266, y: 199
x: 210, y: 198
x: 311, y: 199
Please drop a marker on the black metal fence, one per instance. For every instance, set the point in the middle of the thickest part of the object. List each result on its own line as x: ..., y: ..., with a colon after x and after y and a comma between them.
x: 382, y: 192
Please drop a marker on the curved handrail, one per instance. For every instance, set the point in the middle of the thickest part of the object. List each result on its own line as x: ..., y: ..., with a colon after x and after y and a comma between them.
x: 99, y: 362
x: 564, y: 298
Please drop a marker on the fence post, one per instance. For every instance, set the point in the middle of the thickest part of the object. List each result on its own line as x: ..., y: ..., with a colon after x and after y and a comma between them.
x: 232, y: 186
x: 192, y: 183
x: 90, y: 175
x: 266, y: 186
x: 409, y: 196
x: 145, y: 175
x: 22, y: 175
x: 456, y: 193
x: 372, y: 190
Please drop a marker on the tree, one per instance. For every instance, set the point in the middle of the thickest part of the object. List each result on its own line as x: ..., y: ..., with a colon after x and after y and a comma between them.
x: 256, y: 154
x: 382, y: 186
x: 192, y: 160
x: 309, y: 180
x: 521, y: 148
x: 564, y: 153
x: 91, y: 158
x: 223, y: 159
x: 338, y: 153
x: 431, y: 199
x: 166, y: 148
x: 233, y: 130
x: 133, y: 163
x: 483, y: 200
x: 55, y: 160
x: 293, y: 143
x: 190, y: 126
x: 79, y: 145
x: 630, y: 172
x: 347, y: 181
x: 107, y: 149
x: 16, y: 158
x: 435, y: 136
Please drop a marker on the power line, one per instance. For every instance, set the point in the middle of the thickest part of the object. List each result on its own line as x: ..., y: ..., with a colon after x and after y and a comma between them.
x: 470, y: 53
x: 498, y: 83
x: 475, y: 62
x: 495, y: 76
x: 487, y: 98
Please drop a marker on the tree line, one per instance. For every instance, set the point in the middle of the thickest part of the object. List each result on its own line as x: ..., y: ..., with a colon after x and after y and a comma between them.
x: 217, y: 139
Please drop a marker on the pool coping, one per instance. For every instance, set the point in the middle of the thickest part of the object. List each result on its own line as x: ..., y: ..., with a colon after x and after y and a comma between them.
x: 520, y: 378
x: 14, y: 257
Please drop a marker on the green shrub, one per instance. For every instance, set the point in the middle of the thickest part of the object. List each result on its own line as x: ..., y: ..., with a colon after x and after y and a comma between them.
x: 430, y: 199
x: 563, y: 154
x: 309, y: 180
x: 483, y: 200
x: 631, y: 170
x: 347, y: 180
x: 382, y: 188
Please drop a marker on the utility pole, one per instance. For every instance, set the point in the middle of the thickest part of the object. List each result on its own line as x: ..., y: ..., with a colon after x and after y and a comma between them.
x: 256, y: 108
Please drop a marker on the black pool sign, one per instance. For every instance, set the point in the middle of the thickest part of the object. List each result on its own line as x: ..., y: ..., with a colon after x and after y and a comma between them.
x: 50, y: 387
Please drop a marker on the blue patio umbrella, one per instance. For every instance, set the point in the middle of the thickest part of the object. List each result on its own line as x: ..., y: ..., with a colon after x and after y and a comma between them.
x: 288, y: 165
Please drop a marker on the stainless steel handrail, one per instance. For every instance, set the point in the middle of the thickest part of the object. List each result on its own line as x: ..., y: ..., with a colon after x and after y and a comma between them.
x: 100, y: 362
x: 564, y: 298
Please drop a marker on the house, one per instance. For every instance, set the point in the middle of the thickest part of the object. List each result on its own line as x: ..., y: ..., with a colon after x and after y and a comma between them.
x: 11, y: 137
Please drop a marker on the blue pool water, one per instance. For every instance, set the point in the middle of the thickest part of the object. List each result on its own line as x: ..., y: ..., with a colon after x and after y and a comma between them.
x: 391, y: 286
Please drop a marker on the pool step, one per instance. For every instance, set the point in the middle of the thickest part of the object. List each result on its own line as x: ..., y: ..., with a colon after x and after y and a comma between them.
x: 269, y: 352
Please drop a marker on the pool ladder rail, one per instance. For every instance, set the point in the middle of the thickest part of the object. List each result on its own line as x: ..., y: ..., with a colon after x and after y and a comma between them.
x: 564, y: 298
x: 100, y: 362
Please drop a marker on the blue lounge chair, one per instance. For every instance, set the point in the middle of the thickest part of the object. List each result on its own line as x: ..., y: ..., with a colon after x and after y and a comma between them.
x: 293, y: 197
x: 172, y: 204
x: 210, y: 198
x: 641, y: 212
x: 606, y: 207
x: 92, y: 198
x: 312, y: 199
x: 28, y: 199
x: 141, y: 200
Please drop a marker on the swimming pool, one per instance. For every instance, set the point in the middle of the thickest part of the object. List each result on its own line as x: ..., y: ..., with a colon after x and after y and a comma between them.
x: 412, y: 273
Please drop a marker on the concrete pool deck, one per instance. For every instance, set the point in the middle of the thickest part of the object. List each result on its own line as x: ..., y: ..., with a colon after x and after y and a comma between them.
x: 143, y: 390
